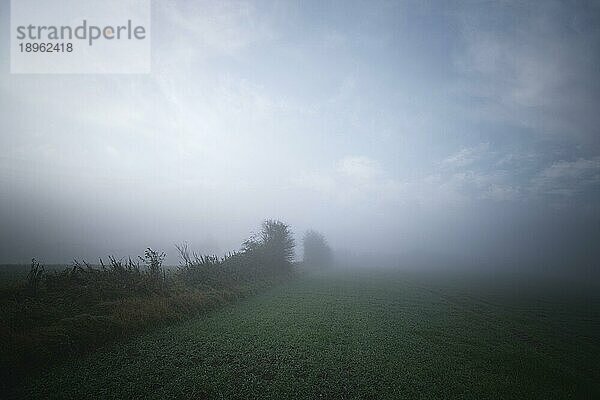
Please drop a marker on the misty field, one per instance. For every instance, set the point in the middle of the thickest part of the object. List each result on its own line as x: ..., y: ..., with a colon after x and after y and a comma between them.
x: 368, y: 334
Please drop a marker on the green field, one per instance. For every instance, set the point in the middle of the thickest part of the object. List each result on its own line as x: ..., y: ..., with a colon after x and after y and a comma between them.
x: 363, y: 334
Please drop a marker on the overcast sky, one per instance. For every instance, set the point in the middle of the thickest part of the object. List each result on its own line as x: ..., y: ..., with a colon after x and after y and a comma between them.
x: 469, y: 128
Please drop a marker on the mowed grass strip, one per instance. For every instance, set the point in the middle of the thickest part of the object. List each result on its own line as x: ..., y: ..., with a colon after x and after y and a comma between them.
x: 355, y: 335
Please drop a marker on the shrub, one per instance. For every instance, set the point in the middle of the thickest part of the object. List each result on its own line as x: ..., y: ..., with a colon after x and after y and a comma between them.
x: 317, y: 252
x: 34, y: 278
x: 156, y: 276
x: 277, y: 244
x: 267, y: 253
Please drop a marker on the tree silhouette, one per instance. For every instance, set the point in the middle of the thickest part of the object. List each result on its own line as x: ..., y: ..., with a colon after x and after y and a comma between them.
x: 317, y: 252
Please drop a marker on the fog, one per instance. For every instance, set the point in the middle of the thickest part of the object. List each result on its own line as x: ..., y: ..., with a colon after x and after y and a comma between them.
x: 457, y: 131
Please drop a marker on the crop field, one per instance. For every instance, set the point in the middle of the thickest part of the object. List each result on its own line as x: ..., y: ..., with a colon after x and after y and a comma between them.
x: 368, y: 335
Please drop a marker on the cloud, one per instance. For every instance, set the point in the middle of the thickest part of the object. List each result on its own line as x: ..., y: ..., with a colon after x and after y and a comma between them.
x: 467, y: 156
x: 532, y: 70
x: 498, y: 192
x: 568, y: 178
x: 359, y: 168
x: 222, y: 28
x: 354, y: 181
x: 362, y: 181
x: 469, y: 176
x: 479, y: 174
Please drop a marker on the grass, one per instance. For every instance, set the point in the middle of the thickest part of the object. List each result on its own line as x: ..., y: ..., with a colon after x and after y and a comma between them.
x: 367, y: 335
x: 52, y: 313
x: 80, y: 315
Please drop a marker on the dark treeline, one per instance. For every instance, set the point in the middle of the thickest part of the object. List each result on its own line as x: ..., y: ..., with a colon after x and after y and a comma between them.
x: 55, y: 314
